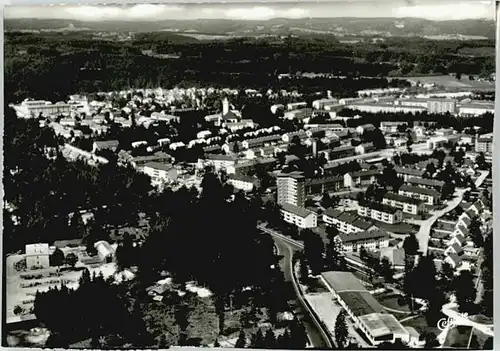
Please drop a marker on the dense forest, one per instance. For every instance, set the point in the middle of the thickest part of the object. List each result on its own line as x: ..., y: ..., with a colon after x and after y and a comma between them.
x: 75, y: 62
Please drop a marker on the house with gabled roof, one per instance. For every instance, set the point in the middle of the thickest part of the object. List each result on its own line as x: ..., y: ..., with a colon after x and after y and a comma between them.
x: 407, y: 173
x: 453, y: 260
x: 346, y: 222
x: 369, y: 239
x: 429, y: 196
x: 301, y: 217
x: 454, y: 247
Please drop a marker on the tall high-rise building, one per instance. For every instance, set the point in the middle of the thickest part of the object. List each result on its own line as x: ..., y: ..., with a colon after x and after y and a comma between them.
x: 291, y: 189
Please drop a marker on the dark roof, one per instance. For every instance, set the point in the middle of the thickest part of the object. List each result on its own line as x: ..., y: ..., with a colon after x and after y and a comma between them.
x: 243, y: 178
x: 230, y: 115
x: 349, y: 218
x: 463, y: 230
x: 365, y: 173
x: 342, y: 281
x: 324, y: 180
x: 343, y: 148
x: 419, y: 190
x: 362, y: 236
x: 409, y: 171
x: 158, y: 165
x: 107, y: 143
x: 467, y: 221
x: 456, y: 247
x: 454, y: 257
x: 426, y: 182
x: 299, y: 211
x: 378, y: 206
x: 361, y: 303
x: 402, y: 198
x: 221, y: 157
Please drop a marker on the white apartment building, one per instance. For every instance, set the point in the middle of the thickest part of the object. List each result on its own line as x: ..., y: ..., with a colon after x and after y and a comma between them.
x: 37, y: 256
x: 406, y: 203
x: 160, y: 173
x: 429, y: 196
x: 299, y: 216
x: 380, y: 212
x: 346, y: 222
x: 291, y: 189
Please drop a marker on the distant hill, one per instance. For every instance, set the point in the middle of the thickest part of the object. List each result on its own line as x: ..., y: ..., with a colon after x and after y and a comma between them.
x: 279, y: 26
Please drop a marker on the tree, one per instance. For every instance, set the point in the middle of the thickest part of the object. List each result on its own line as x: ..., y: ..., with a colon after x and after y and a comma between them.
x: 57, y: 258
x: 71, y: 259
x: 411, y: 245
x: 313, y: 250
x: 458, y: 75
x: 475, y: 231
x: 363, y: 254
x: 341, y: 331
x: 216, y: 343
x: 326, y: 201
x: 242, y: 340
x: 386, y: 269
x: 465, y: 291
x: 257, y: 341
x: 269, y: 339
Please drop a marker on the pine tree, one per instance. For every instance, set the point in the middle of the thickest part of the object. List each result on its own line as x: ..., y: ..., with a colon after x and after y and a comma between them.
x: 341, y: 332
x: 242, y: 340
x: 216, y: 343
x: 269, y: 340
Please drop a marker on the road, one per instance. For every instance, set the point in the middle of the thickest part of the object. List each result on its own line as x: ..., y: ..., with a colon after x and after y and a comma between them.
x: 318, y: 337
x: 450, y: 310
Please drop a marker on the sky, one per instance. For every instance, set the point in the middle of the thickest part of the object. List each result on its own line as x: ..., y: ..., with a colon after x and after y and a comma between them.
x: 258, y: 10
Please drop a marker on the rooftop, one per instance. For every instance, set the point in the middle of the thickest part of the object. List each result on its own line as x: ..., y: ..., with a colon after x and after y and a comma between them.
x: 299, y: 211
x: 378, y: 206
x: 419, y: 190
x: 402, y: 198
x: 342, y: 281
x: 425, y: 181
x: 363, y: 236
x: 158, y: 165
x: 409, y: 171
x: 381, y: 324
x: 349, y: 218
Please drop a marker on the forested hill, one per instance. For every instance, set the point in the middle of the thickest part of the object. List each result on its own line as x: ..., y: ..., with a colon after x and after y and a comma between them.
x: 277, y: 26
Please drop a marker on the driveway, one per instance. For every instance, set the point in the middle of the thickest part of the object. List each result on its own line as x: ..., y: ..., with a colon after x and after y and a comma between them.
x: 424, y: 232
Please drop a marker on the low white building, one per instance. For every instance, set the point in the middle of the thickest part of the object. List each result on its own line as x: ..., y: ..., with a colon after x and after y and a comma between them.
x: 299, y: 216
x: 243, y: 182
x: 37, y: 256
x: 160, y: 173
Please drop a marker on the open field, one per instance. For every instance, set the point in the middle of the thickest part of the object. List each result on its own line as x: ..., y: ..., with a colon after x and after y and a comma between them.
x: 450, y: 82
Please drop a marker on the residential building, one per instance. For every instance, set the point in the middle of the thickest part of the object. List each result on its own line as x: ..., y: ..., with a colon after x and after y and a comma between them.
x: 288, y: 137
x: 412, y: 102
x: 291, y: 189
x: 159, y: 157
x: 37, y: 256
x: 299, y: 216
x: 407, y: 204
x: 365, y: 128
x: 441, y: 106
x: 243, y: 182
x: 370, y: 240
x: 391, y: 127
x: 246, y: 167
x: 341, y: 152
x: 363, y: 309
x: 429, y: 196
x: 484, y: 144
x: 426, y: 183
x: 324, y: 184
x: 320, y: 104
x: 407, y: 173
x: 361, y: 178
x: 261, y: 141
x: 296, y: 105
x: 33, y: 109
x: 219, y: 162
x: 302, y: 114
x: 385, y: 107
x: 105, y: 251
x: 105, y: 145
x: 380, y: 212
x: 453, y: 260
x: 160, y: 173
x: 475, y: 110
x: 364, y: 148
x: 346, y: 222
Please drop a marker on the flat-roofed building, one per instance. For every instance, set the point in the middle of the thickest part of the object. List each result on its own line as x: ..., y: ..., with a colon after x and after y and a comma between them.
x: 484, y: 144
x: 442, y: 106
x: 361, y: 178
x: 426, y: 183
x: 367, y: 313
x: 37, y: 256
x: 291, y: 189
x: 407, y: 173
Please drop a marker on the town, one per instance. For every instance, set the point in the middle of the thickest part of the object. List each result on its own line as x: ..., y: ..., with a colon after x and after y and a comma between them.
x: 364, y: 213
x: 268, y: 176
